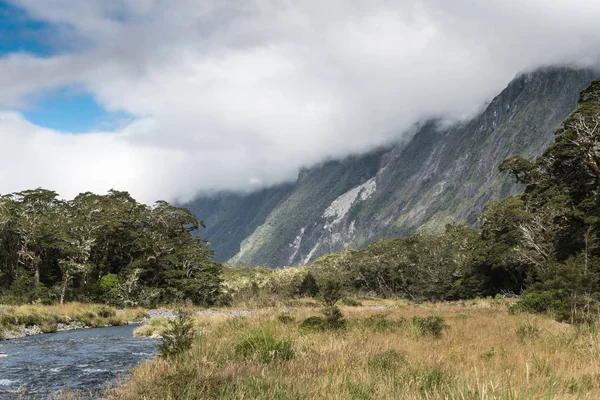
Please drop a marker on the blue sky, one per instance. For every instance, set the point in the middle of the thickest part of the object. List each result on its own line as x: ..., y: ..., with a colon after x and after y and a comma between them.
x: 69, y: 109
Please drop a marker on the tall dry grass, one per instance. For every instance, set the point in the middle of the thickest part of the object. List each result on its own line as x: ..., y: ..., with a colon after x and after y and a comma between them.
x: 47, y: 317
x: 483, y: 353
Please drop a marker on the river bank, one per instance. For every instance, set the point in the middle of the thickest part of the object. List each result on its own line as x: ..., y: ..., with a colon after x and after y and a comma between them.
x: 30, y: 320
x: 388, y: 349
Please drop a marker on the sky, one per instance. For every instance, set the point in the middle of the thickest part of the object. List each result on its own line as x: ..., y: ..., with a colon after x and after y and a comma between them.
x: 172, y: 99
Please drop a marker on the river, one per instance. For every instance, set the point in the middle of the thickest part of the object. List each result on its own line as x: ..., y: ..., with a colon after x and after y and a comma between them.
x: 83, y: 360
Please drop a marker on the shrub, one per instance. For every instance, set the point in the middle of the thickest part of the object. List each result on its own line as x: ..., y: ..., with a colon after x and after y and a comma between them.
x: 332, y: 293
x: 313, y: 324
x: 308, y: 286
x: 285, y: 318
x: 539, y: 302
x: 106, y: 312
x: 380, y: 323
x: 429, y: 326
x: 141, y: 315
x: 527, y: 331
x: 264, y: 347
x: 350, y: 301
x: 109, y: 285
x: 388, y: 360
x: 178, y: 336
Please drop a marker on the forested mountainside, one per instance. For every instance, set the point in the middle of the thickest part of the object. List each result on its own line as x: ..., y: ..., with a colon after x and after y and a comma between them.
x: 442, y: 175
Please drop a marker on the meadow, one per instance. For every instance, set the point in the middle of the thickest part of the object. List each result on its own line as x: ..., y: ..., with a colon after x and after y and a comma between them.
x: 388, y: 349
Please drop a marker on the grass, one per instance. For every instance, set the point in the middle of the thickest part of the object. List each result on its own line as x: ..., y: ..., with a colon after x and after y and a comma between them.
x: 480, y: 352
x: 15, y: 318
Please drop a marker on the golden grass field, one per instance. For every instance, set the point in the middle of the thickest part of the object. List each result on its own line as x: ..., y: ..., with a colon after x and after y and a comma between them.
x: 483, y: 353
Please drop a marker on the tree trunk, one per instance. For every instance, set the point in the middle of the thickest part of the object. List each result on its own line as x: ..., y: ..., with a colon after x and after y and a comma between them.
x: 64, y: 288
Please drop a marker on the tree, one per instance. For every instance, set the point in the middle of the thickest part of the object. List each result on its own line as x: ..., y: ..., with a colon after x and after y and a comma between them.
x: 308, y: 286
x: 36, y: 213
x: 332, y: 293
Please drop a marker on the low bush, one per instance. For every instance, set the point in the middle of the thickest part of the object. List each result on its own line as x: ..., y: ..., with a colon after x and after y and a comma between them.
x: 285, y: 319
x: 264, y: 347
x: 106, y: 312
x: 429, y: 326
x: 178, y: 336
x: 387, y: 361
x: 539, y: 302
x: 527, y: 331
x: 380, y: 323
x: 313, y: 323
x: 351, y: 302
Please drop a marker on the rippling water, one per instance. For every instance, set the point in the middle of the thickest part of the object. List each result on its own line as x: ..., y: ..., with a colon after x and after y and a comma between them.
x: 83, y: 360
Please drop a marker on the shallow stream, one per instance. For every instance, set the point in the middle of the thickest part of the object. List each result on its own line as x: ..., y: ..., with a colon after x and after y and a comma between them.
x: 83, y: 360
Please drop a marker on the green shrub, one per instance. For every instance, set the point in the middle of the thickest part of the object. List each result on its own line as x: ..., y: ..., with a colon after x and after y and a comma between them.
x: 332, y: 293
x: 539, y: 302
x: 106, y: 312
x: 109, y: 286
x: 313, y: 323
x: 264, y: 347
x: 8, y: 320
x: 285, y: 319
x: 388, y: 360
x: 351, y: 302
x: 141, y: 315
x: 432, y: 379
x: 308, y: 286
x: 380, y: 323
x: 429, y: 326
x: 178, y: 336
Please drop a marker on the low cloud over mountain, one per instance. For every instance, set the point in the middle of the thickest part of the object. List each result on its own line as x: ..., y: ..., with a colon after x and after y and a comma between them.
x: 241, y: 94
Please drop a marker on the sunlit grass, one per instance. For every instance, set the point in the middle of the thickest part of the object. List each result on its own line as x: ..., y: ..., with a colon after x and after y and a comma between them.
x: 482, y: 353
x: 48, y: 318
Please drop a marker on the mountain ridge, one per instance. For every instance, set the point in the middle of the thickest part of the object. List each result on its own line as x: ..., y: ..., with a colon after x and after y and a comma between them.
x: 444, y: 174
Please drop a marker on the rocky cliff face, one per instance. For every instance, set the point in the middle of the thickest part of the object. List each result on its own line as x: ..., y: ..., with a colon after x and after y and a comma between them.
x: 444, y: 174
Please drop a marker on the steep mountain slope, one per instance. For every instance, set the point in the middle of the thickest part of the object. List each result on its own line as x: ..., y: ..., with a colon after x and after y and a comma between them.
x: 444, y: 174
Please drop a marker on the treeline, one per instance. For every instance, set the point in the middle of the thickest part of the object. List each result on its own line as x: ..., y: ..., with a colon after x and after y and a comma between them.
x: 101, y: 248
x: 542, y: 243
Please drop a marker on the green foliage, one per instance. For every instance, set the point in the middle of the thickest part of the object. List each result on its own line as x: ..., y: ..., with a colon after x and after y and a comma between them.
x: 102, y: 248
x: 309, y: 286
x: 419, y: 267
x: 313, y: 323
x: 429, y: 326
x: 351, y: 302
x: 264, y: 347
x: 380, y: 323
x: 387, y: 361
x: 109, y: 284
x: 285, y: 319
x: 178, y: 337
x: 332, y: 293
x: 539, y: 302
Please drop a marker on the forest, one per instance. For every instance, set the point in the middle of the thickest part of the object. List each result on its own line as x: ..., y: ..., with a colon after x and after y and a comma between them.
x: 101, y: 248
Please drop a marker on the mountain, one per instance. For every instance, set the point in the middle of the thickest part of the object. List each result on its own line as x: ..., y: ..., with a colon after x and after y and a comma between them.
x: 443, y: 174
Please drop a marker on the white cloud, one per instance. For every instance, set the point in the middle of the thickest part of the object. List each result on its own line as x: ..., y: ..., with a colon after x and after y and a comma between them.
x: 239, y: 93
